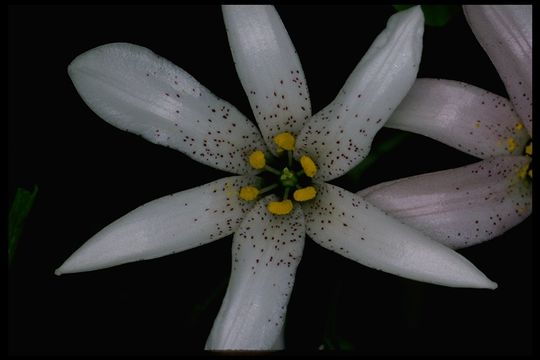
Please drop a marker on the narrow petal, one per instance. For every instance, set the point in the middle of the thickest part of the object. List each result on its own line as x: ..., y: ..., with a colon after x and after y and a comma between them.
x: 165, y: 226
x: 266, y: 252
x: 459, y: 207
x: 347, y: 224
x: 269, y: 69
x: 339, y: 136
x: 138, y: 91
x: 505, y: 33
x: 464, y: 116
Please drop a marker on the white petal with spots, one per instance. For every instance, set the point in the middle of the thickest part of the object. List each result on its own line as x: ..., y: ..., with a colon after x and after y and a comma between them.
x: 165, y: 226
x: 459, y: 207
x: 464, y: 116
x: 339, y: 136
x: 138, y: 91
x: 505, y: 33
x: 266, y: 252
x: 269, y: 69
x: 347, y: 224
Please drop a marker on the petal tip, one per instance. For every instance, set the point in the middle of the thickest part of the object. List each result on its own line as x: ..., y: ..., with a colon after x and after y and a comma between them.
x: 492, y: 285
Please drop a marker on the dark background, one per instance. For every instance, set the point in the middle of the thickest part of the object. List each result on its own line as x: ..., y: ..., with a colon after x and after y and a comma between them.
x: 90, y: 173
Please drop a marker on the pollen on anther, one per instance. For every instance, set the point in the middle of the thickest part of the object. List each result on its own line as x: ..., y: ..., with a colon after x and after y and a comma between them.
x: 511, y: 145
x: 280, y: 207
x: 310, y: 169
x: 257, y: 160
x: 248, y: 193
x: 305, y: 194
x: 529, y: 150
x: 285, y: 141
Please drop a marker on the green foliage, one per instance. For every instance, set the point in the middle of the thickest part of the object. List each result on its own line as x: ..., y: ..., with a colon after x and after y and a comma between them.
x: 20, y: 208
x: 383, y: 148
x: 435, y: 15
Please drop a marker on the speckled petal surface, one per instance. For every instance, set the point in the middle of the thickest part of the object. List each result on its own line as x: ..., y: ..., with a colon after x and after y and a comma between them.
x: 165, y: 226
x: 464, y: 116
x: 459, y: 207
x: 138, y: 91
x: 269, y: 69
x: 505, y: 33
x: 347, y: 224
x: 340, y: 135
x: 266, y: 252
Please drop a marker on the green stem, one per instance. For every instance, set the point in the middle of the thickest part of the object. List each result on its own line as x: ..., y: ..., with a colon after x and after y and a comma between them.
x: 272, y: 170
x: 268, y: 188
x: 376, y: 154
x: 286, y: 194
x: 289, y: 158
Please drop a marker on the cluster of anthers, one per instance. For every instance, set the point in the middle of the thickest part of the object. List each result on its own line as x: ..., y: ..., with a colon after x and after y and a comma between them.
x: 525, y: 172
x: 282, y: 175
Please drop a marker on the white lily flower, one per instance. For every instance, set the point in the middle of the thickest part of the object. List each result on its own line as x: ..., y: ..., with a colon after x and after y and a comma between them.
x: 471, y: 204
x: 138, y: 91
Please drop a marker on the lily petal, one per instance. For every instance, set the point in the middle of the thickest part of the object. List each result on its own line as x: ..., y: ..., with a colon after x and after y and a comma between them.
x: 266, y: 252
x: 340, y: 135
x: 464, y: 116
x: 138, y: 91
x: 269, y: 69
x: 349, y: 225
x: 165, y: 226
x: 459, y: 207
x: 505, y: 33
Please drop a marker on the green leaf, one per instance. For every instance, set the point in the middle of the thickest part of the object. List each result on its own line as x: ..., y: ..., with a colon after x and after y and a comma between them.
x: 20, y: 208
x: 434, y: 15
x: 381, y: 149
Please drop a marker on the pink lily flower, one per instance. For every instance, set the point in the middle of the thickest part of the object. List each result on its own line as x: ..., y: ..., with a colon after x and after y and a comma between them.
x: 471, y: 204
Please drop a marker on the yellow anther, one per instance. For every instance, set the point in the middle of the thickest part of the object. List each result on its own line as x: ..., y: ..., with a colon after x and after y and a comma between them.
x: 528, y: 149
x: 518, y: 126
x: 530, y: 173
x: 305, y: 194
x: 280, y: 207
x: 310, y: 169
x: 523, y: 172
x: 477, y: 124
x: 248, y: 193
x: 257, y: 160
x: 285, y: 141
x: 511, y: 145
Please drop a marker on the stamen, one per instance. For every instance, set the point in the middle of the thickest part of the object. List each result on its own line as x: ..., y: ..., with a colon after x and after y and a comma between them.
x: 248, y: 193
x: 528, y: 149
x: 272, y: 170
x: 268, y: 188
x: 305, y: 194
x: 310, y: 169
x: 286, y: 193
x: 257, y: 160
x: 285, y: 141
x: 280, y: 207
x: 523, y: 171
x: 530, y: 173
x: 289, y: 158
x: 511, y: 145
x: 518, y: 126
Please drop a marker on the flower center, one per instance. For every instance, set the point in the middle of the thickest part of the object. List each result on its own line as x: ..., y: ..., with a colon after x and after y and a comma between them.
x: 284, y: 176
x: 526, y: 171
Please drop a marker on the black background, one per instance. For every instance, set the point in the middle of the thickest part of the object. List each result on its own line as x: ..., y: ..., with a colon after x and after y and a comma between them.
x: 90, y: 173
